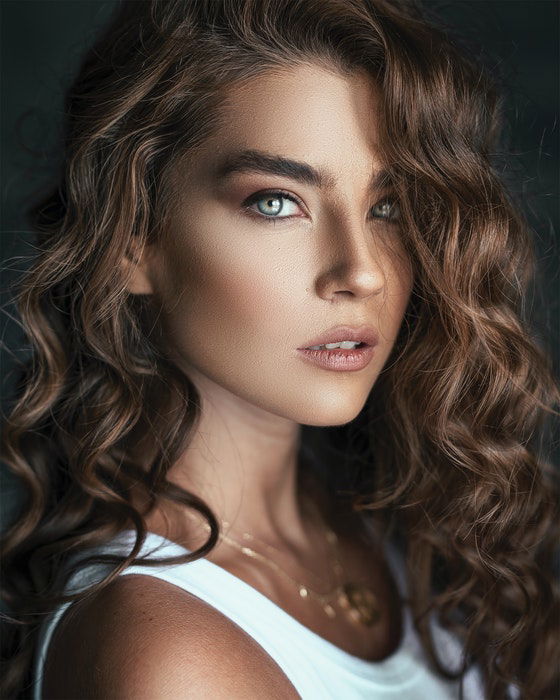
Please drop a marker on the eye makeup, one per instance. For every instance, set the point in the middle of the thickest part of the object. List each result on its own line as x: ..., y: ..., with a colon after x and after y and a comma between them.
x: 270, y: 194
x: 387, y: 206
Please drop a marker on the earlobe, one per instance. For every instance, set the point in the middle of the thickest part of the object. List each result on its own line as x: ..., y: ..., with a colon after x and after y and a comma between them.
x: 135, y: 268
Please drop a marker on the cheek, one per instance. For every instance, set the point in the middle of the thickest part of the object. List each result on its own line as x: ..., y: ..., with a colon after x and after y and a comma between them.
x: 229, y: 295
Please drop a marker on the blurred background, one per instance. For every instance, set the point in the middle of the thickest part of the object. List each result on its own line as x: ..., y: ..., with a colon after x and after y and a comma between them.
x: 42, y: 45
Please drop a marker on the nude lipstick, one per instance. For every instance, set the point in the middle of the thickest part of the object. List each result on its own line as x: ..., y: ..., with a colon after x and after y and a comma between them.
x: 345, y: 359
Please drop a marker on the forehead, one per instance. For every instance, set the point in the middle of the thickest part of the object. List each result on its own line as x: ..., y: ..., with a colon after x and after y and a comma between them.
x: 307, y: 112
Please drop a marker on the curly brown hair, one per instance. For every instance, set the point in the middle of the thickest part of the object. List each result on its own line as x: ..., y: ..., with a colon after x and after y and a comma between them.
x: 449, y: 446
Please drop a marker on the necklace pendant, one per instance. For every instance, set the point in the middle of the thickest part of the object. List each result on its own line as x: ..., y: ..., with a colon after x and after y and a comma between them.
x: 303, y: 591
x: 360, y: 603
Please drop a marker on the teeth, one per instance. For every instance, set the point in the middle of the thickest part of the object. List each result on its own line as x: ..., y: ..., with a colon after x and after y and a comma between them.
x: 345, y: 345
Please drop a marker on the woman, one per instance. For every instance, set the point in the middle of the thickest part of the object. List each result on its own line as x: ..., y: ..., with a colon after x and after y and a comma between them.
x: 245, y: 181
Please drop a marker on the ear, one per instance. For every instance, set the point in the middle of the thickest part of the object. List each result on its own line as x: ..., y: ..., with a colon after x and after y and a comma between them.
x: 136, y: 267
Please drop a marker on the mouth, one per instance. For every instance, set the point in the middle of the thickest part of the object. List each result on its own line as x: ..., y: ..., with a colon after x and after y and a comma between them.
x: 343, y: 338
x: 343, y: 348
x: 339, y: 359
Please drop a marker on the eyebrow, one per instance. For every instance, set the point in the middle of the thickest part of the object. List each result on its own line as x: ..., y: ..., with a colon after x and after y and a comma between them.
x: 261, y: 162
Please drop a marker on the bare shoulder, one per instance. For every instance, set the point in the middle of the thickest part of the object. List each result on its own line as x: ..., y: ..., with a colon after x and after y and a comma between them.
x: 143, y: 638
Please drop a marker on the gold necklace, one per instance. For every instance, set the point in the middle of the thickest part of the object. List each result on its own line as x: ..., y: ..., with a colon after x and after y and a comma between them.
x: 358, y: 601
x: 324, y: 599
x: 331, y: 537
x: 333, y: 540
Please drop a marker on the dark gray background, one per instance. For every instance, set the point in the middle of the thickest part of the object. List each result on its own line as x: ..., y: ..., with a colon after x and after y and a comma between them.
x: 43, y: 40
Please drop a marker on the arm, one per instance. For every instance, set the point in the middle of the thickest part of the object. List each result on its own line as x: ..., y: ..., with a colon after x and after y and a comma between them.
x: 142, y: 638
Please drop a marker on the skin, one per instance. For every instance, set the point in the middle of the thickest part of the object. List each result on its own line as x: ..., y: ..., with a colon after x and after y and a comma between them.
x: 239, y: 293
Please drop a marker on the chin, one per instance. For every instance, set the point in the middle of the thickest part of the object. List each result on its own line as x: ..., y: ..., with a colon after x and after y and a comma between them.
x: 324, y: 411
x: 329, y: 420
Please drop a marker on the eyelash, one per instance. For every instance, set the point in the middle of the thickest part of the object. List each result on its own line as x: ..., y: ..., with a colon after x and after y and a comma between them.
x: 281, y: 194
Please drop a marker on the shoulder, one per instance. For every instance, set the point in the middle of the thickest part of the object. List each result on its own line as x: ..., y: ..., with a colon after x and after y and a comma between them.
x: 141, y: 637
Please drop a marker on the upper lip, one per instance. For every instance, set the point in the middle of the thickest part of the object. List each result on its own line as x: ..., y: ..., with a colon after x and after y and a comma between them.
x: 361, y: 334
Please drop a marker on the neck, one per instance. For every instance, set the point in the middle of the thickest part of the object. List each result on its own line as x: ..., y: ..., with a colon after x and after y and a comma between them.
x: 243, y: 463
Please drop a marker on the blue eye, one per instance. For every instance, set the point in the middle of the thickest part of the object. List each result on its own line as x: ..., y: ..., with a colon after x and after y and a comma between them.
x: 386, y: 209
x: 270, y: 205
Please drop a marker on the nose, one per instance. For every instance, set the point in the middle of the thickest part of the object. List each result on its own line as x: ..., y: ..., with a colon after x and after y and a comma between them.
x: 355, y: 262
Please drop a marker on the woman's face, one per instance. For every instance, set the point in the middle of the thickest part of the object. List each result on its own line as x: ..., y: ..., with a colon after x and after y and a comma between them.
x: 240, y: 292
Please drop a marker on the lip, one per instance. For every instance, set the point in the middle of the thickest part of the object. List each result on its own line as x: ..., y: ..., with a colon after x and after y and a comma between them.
x: 362, y: 334
x: 339, y: 360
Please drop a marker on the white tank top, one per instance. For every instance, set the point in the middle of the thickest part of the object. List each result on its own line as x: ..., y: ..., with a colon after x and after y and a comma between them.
x: 317, y: 668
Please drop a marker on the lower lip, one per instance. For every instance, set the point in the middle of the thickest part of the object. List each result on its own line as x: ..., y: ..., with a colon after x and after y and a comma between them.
x: 340, y: 360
